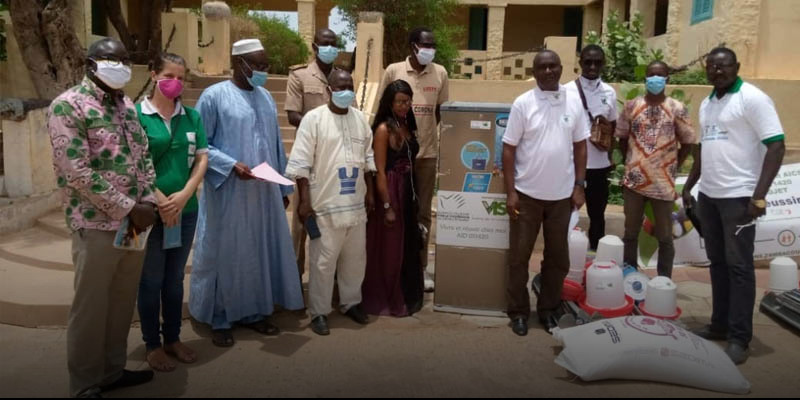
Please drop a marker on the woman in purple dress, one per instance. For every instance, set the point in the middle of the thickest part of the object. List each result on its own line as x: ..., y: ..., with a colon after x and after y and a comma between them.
x: 393, y: 284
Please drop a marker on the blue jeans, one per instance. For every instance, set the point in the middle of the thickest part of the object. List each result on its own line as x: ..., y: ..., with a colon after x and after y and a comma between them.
x: 161, y: 287
x: 733, y: 277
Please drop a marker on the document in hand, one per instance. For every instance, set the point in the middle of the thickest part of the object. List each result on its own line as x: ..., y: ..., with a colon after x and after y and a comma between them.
x: 264, y: 172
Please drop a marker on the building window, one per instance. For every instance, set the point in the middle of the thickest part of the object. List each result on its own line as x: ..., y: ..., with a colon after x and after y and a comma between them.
x: 99, y: 18
x: 702, y: 10
x: 478, y: 70
x: 662, y: 16
x: 478, y: 21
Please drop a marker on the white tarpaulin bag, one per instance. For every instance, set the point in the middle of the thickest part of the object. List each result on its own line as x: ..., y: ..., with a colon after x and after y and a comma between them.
x: 649, y: 349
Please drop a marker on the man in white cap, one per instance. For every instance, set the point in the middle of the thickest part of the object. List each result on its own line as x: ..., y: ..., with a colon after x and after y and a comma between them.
x: 244, y: 263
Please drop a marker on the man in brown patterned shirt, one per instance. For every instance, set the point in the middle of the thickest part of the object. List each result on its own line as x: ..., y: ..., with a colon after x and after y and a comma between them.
x: 656, y: 136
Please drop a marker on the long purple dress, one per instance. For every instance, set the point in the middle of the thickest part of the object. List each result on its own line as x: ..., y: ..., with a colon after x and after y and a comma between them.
x: 393, y: 283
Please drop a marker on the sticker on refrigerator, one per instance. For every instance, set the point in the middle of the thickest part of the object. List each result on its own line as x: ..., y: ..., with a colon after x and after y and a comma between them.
x: 482, y: 125
x: 475, y: 156
x: 472, y: 220
x: 477, y: 182
x: 499, y: 130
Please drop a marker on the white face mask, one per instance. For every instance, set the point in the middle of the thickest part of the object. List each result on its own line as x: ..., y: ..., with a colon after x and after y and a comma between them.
x: 114, y: 74
x: 425, y: 56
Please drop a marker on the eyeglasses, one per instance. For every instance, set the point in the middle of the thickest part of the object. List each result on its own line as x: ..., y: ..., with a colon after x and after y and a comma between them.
x: 113, y: 61
x: 426, y: 45
x: 402, y: 102
x: 720, y: 66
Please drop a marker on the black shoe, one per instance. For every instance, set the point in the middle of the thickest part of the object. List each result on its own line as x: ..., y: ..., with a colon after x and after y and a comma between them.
x: 129, y: 378
x: 519, y: 326
x: 737, y: 353
x: 710, y: 333
x: 548, y: 321
x: 320, y: 325
x: 356, y: 314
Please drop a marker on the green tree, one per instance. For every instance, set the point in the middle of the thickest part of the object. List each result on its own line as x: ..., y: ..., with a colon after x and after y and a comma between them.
x: 400, y: 17
x: 284, y: 47
x: 625, y: 48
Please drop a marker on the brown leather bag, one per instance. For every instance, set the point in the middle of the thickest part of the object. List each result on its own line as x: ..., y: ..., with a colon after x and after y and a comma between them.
x: 602, y: 129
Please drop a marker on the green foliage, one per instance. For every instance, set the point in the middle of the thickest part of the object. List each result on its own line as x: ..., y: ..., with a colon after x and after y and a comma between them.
x: 283, y: 46
x: 624, y: 46
x: 695, y: 76
x: 400, y: 17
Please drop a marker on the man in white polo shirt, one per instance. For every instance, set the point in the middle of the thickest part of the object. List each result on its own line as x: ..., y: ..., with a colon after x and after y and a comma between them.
x: 601, y: 102
x: 544, y: 166
x: 430, y: 84
x: 742, y: 148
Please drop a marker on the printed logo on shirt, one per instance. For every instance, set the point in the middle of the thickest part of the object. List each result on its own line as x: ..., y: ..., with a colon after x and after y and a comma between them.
x: 712, y: 133
x: 348, y: 182
x: 430, y: 89
x: 566, y: 119
x: 423, y: 109
x: 192, y: 137
x: 604, y: 100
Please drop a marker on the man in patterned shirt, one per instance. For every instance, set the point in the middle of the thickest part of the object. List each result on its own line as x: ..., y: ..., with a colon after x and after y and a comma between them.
x: 656, y: 136
x: 106, y: 174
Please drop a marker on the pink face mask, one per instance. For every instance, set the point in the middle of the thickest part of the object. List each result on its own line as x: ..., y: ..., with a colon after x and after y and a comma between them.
x: 170, y: 88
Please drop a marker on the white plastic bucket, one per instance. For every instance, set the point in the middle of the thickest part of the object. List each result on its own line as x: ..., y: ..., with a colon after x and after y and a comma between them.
x: 610, y: 248
x: 604, y: 287
x: 578, y: 246
x: 662, y: 297
x: 782, y: 275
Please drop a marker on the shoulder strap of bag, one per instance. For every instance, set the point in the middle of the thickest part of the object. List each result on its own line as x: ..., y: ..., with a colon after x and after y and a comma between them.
x: 583, y: 98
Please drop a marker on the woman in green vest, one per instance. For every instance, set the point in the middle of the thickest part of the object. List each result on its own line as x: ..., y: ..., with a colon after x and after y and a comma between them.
x: 180, y: 154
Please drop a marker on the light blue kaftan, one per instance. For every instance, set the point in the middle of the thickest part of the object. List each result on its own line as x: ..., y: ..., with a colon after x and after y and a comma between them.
x: 244, y: 262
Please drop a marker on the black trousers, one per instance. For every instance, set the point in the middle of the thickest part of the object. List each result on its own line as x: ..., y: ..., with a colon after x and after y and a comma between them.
x: 596, y: 202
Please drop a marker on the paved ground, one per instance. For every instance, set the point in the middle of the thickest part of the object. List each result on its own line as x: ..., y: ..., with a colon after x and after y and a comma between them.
x: 430, y: 354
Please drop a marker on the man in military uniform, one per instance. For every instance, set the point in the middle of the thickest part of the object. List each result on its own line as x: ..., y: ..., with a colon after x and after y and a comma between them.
x: 306, y: 90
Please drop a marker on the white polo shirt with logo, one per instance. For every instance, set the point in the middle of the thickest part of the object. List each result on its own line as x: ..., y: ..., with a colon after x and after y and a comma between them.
x: 543, y: 126
x: 430, y: 90
x: 735, y: 130
x: 601, y: 100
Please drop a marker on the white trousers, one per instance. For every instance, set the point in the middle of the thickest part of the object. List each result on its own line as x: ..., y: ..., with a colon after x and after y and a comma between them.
x: 345, y: 248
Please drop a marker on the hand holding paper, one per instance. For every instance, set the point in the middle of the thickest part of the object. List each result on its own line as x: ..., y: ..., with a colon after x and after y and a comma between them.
x: 265, y: 173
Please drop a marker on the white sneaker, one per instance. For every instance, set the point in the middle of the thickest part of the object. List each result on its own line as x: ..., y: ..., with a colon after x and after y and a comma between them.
x: 429, y: 282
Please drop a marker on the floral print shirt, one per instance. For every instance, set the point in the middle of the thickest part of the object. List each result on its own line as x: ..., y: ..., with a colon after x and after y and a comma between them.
x: 100, y: 156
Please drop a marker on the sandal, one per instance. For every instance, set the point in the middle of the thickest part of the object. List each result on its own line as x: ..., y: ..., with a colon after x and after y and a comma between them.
x: 159, y: 361
x: 222, y: 338
x: 181, y: 352
x: 264, y: 327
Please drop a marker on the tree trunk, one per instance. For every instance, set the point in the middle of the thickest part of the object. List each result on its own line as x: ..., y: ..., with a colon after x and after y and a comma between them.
x: 114, y: 10
x: 154, y: 49
x: 66, y: 53
x: 49, y: 46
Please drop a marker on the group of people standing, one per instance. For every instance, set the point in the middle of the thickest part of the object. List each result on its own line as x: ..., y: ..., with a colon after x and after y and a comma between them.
x: 363, y: 193
x: 137, y: 167
x: 551, y: 169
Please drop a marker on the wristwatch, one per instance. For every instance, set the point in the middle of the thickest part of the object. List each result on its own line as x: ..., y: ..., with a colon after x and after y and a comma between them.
x: 581, y: 183
x: 387, y: 206
x: 759, y: 203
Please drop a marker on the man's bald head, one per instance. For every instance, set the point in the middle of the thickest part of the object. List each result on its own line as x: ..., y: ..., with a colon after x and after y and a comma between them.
x: 548, y: 55
x: 340, y: 80
x: 547, y: 70
x: 325, y: 37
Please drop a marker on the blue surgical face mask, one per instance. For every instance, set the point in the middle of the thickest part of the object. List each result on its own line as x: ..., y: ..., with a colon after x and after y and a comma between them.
x: 259, y: 78
x: 343, y: 98
x: 327, y: 54
x: 655, y: 84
